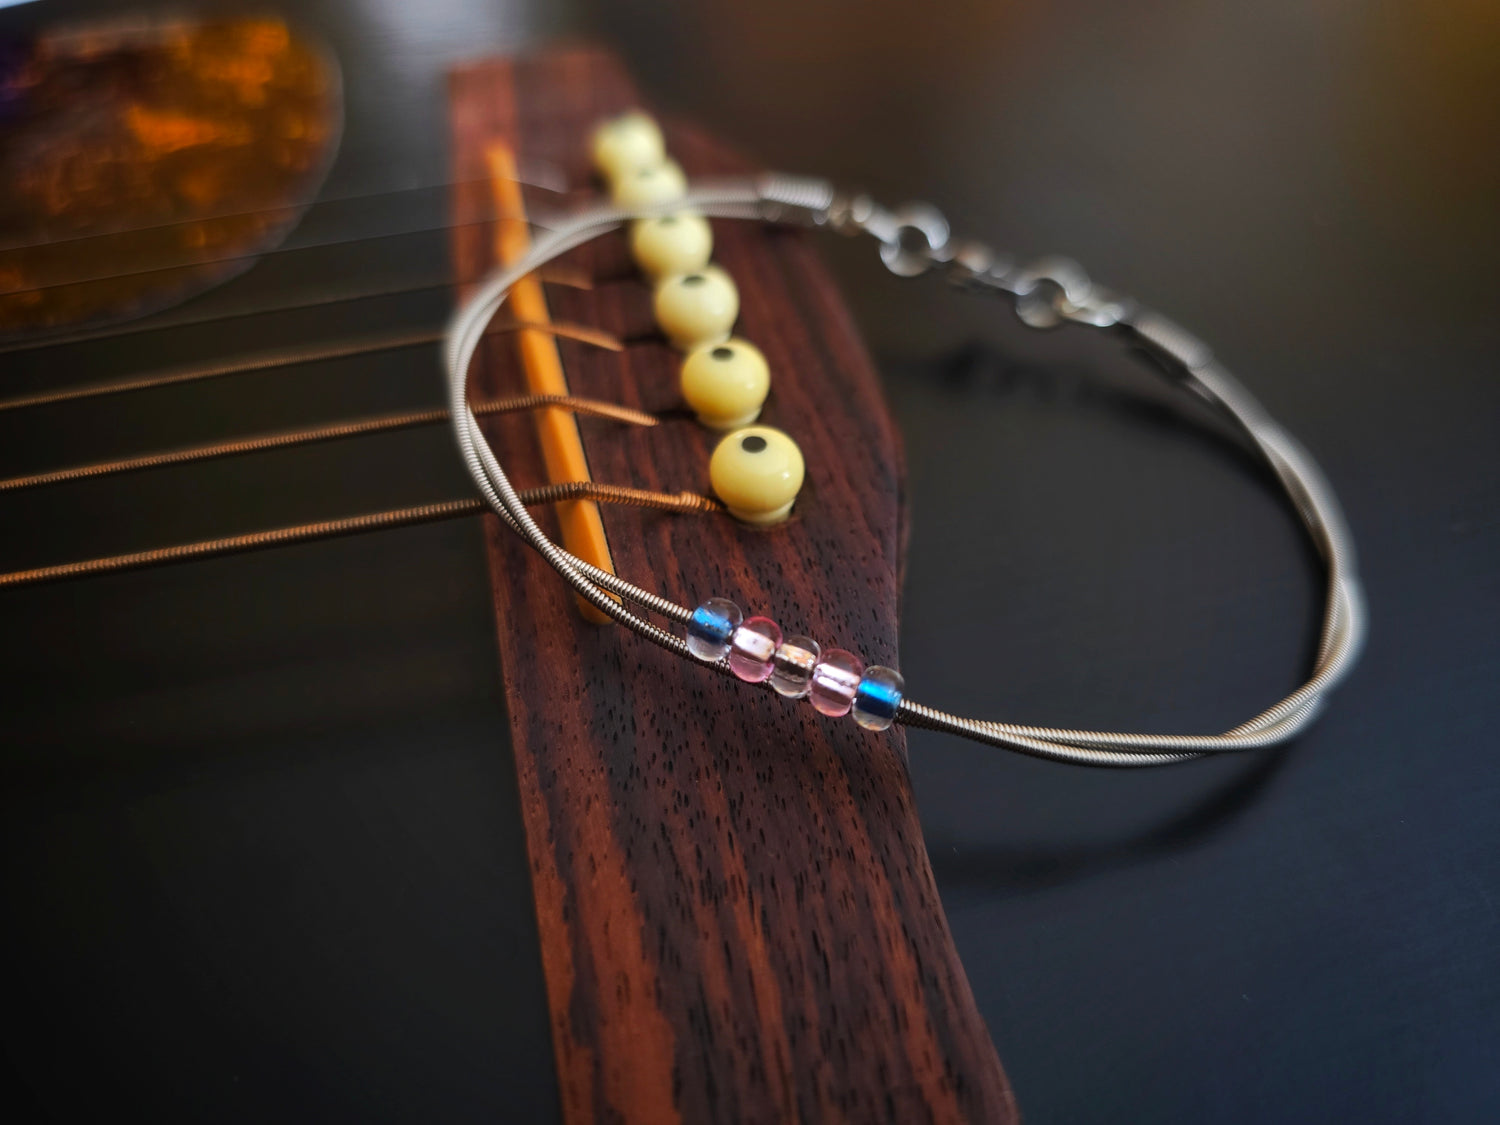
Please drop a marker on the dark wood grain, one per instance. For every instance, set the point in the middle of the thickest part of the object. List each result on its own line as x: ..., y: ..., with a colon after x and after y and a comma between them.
x: 737, y: 915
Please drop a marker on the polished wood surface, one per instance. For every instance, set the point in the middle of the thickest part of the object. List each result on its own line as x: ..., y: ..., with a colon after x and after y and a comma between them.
x: 738, y: 918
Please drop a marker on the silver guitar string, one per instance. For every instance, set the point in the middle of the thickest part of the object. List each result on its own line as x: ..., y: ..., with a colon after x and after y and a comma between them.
x: 915, y: 240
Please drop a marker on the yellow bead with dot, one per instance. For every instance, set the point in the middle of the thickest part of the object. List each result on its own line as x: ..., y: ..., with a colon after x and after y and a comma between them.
x: 669, y: 244
x: 757, y: 472
x: 696, y: 308
x: 627, y: 142
x: 726, y: 384
x: 649, y: 184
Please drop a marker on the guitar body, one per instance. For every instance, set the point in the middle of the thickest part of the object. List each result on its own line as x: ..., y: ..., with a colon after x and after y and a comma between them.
x: 738, y: 918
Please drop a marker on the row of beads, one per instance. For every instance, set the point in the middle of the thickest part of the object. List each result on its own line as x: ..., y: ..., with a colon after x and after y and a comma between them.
x: 835, y: 682
x: 756, y: 470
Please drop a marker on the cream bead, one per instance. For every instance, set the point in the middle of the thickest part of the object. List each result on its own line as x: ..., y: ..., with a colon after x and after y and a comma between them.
x: 671, y: 244
x: 622, y: 144
x: 726, y: 384
x: 696, y: 308
x: 661, y: 182
x: 757, y: 472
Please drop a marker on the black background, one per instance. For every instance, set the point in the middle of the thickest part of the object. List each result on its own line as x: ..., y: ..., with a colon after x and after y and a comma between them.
x: 262, y: 855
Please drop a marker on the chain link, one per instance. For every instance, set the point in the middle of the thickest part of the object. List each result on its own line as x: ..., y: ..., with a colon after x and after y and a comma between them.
x: 915, y: 238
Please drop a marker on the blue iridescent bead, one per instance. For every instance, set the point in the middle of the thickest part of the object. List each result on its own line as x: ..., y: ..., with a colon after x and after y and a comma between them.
x: 878, y: 697
x: 712, y: 628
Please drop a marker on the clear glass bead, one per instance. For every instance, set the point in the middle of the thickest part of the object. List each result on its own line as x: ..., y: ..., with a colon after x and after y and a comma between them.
x: 792, y: 666
x: 877, y: 697
x: 835, y: 679
x: 712, y: 626
x: 752, y: 649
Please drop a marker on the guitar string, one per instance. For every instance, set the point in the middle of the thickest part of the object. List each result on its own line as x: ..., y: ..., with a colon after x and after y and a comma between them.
x: 358, y: 427
x: 555, y: 275
x: 259, y: 255
x: 685, y: 503
x: 294, y: 356
x: 146, y: 558
x: 537, y: 174
x: 547, y: 176
x: 681, y: 502
x: 228, y: 259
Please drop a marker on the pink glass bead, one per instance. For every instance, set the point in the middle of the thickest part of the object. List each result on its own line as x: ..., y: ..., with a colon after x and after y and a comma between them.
x: 835, y: 680
x: 752, y: 649
x: 792, y: 666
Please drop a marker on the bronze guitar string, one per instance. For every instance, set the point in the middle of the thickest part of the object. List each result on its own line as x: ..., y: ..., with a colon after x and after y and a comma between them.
x: 688, y: 503
x: 680, y: 502
x: 559, y: 275
x: 531, y: 173
x: 292, y: 357
x: 224, y: 259
x: 384, y: 423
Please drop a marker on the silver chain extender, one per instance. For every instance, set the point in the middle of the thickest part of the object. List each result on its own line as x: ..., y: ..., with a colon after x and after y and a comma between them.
x: 915, y: 240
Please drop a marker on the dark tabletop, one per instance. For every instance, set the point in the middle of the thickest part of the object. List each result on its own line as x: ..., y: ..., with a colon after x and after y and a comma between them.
x: 262, y: 857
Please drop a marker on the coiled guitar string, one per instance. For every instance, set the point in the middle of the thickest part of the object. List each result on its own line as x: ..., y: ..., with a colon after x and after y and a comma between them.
x: 1066, y: 295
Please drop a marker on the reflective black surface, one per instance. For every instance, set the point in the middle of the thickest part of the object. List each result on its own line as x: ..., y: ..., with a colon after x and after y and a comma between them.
x: 261, y: 850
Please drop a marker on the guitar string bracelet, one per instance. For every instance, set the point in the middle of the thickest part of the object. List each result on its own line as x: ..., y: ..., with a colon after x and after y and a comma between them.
x: 915, y: 240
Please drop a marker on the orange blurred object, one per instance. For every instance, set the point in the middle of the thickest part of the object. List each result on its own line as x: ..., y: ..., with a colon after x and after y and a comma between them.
x: 142, y: 162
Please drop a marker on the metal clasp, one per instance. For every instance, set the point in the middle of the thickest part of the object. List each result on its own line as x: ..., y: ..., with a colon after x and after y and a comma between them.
x: 914, y: 240
x: 1053, y: 290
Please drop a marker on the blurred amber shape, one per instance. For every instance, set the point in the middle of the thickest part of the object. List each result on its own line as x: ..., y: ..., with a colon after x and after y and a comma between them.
x: 146, y: 161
